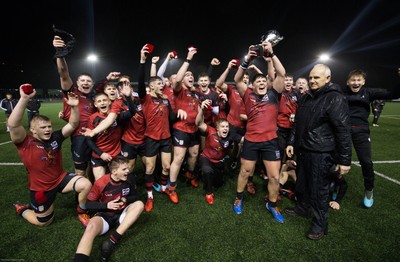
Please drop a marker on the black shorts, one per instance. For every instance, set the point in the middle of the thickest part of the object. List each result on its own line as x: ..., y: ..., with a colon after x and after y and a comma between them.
x: 49, y: 196
x: 131, y: 151
x: 98, y: 162
x: 153, y: 147
x: 111, y: 218
x: 183, y: 139
x: 268, y: 150
x: 283, y: 136
x: 81, y: 152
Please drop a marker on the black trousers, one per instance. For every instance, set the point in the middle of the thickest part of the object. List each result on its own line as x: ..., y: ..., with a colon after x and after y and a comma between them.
x: 376, y: 114
x: 212, y: 174
x: 31, y: 114
x: 361, y: 141
x: 312, y: 186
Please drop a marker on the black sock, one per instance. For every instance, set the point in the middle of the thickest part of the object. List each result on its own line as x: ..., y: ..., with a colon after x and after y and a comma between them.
x: 239, y: 195
x: 164, y: 179
x: 272, y: 204
x: 81, y: 257
x: 149, y: 181
x: 115, y: 237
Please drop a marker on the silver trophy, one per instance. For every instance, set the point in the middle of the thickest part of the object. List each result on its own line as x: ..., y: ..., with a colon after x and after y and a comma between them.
x: 272, y: 36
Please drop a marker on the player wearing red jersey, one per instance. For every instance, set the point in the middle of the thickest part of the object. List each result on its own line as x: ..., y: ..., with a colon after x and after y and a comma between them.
x: 211, y: 160
x: 42, y: 157
x: 114, y: 199
x: 107, y: 144
x: 158, y: 114
x: 185, y: 135
x: 261, y: 106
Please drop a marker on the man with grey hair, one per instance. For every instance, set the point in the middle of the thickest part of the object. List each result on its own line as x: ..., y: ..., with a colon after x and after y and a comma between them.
x: 322, y: 141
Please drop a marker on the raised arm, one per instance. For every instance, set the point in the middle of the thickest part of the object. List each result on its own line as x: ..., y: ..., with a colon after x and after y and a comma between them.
x: 141, y: 74
x: 99, y: 87
x: 214, y: 62
x: 182, y: 70
x: 240, y: 85
x: 222, y: 78
x: 163, y: 67
x: 279, y: 81
x: 62, y: 67
x: 17, y: 131
x: 271, y: 69
x: 153, y: 68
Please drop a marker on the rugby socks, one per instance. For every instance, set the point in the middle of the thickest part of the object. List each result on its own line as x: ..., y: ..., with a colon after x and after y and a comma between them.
x: 164, y: 181
x: 81, y: 210
x: 115, y: 237
x: 149, y: 181
x: 239, y: 195
x: 81, y: 257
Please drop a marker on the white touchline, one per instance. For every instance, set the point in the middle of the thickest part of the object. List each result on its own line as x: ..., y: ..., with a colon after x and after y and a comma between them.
x: 386, y: 162
x: 380, y: 174
x: 5, y: 143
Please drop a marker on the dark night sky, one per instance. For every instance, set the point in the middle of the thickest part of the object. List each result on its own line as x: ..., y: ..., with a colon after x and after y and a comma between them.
x: 360, y: 33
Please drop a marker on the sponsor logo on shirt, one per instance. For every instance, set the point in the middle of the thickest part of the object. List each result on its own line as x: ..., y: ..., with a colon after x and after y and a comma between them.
x: 54, y: 145
x: 125, y: 191
x: 265, y: 98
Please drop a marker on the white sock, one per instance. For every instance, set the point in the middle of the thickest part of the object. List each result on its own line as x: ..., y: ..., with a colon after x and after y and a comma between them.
x: 150, y: 194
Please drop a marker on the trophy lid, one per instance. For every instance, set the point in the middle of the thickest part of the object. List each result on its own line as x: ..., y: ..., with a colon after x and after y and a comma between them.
x: 272, y: 36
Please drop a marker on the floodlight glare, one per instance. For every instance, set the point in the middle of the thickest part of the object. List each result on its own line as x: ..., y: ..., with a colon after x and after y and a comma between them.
x: 92, y: 58
x: 324, y: 57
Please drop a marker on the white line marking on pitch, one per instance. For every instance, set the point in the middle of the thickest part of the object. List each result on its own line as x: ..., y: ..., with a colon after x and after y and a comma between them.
x: 5, y: 143
x: 380, y: 174
x: 385, y: 162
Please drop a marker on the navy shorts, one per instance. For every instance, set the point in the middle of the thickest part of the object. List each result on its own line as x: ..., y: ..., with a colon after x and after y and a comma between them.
x: 183, y: 139
x: 268, y: 150
x: 131, y: 151
x: 153, y: 147
x: 43, y: 203
x: 81, y: 152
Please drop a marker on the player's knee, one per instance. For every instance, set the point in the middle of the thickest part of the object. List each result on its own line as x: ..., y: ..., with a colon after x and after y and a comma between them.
x: 82, y: 184
x: 137, y: 206
x: 244, y: 172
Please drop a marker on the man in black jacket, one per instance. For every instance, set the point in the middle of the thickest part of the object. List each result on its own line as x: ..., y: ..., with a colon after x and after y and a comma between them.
x: 377, y: 107
x: 7, y: 104
x: 321, y: 137
x: 359, y: 98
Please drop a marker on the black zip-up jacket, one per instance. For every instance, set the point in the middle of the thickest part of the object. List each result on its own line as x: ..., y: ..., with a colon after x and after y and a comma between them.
x: 33, y: 105
x: 359, y: 103
x: 8, y: 105
x: 322, y: 123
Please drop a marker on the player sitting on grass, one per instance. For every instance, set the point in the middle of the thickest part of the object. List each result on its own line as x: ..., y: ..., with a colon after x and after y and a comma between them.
x: 114, y: 198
